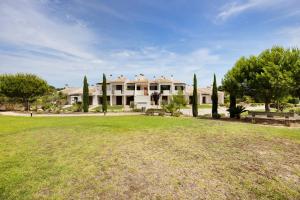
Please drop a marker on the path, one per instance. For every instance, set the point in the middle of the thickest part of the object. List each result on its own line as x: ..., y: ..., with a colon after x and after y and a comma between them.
x: 8, y: 113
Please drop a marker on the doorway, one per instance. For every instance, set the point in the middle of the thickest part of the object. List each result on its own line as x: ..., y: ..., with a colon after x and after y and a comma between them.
x: 129, y: 99
x: 203, y: 100
x: 119, y: 100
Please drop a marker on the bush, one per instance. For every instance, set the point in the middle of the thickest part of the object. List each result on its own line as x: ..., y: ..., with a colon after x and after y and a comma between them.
x: 297, y: 111
x: 97, y: 109
x: 131, y: 105
x: 281, y: 106
x: 247, y: 99
x: 216, y: 116
x: 176, y: 114
x: 76, y: 107
x: 294, y: 101
x: 256, y: 104
x: 237, y: 111
x: 137, y: 110
x: 152, y: 111
x: 172, y: 107
x: 161, y: 114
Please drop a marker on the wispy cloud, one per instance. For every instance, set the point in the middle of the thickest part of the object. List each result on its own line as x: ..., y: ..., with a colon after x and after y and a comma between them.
x: 237, y: 7
x: 150, y: 61
x: 25, y: 23
x: 291, y: 35
x: 61, y: 49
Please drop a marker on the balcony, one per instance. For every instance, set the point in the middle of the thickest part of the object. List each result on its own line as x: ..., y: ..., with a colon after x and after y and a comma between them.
x: 117, y: 92
x: 129, y: 92
x: 107, y: 93
x: 166, y: 92
x: 141, y: 92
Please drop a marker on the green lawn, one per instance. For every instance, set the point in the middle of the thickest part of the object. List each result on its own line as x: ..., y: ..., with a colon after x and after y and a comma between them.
x: 136, y: 157
x: 201, y: 106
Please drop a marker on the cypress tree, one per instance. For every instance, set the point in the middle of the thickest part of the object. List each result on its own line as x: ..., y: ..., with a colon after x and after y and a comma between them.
x: 195, y: 98
x: 214, y: 98
x: 85, y: 95
x: 104, y: 95
x: 232, y: 105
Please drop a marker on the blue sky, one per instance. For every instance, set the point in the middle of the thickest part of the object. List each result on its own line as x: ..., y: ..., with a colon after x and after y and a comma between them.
x: 63, y: 40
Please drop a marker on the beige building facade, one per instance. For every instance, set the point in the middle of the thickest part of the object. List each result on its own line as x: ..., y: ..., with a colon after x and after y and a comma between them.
x: 140, y: 92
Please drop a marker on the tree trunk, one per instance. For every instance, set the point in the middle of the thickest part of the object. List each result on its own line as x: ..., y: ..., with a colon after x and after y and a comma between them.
x: 26, y: 104
x: 267, y: 106
x: 232, y: 105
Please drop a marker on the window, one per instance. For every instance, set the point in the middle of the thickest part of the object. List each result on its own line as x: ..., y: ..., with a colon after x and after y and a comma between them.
x: 130, y: 87
x: 153, y: 87
x: 118, y: 87
x: 165, y: 87
x: 179, y: 87
x: 138, y: 87
x: 75, y: 99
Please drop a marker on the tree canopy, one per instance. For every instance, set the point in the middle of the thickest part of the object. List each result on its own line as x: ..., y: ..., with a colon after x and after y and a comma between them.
x: 23, y: 86
x: 269, y: 77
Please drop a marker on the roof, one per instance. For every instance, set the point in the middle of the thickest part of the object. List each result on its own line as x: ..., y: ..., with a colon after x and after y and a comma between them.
x: 202, y: 91
x: 141, y: 79
x: 77, y: 90
x: 119, y: 79
x: 162, y: 79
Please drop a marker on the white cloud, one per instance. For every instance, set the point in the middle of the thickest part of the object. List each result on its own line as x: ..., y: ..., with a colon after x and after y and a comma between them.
x: 234, y: 8
x: 150, y: 61
x: 291, y: 35
x: 25, y: 23
x: 61, y: 50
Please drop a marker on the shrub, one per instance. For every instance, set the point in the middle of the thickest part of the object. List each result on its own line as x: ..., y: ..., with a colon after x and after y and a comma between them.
x: 151, y: 111
x: 137, y: 110
x: 294, y: 101
x: 237, y: 111
x: 256, y: 104
x: 176, y: 114
x: 77, y: 107
x: 161, y: 114
x: 97, y: 109
x: 131, y: 105
x: 281, y: 106
x: 297, y: 111
x: 172, y: 107
x: 216, y: 116
x: 247, y: 99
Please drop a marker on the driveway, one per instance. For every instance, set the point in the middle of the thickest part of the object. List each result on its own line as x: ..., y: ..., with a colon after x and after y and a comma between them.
x: 221, y: 110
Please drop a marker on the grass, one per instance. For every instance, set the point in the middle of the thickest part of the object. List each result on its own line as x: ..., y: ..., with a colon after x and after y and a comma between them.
x: 114, y: 108
x: 136, y: 157
x: 204, y: 106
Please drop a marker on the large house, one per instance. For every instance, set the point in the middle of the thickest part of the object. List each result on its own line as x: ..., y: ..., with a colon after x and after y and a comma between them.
x: 140, y: 92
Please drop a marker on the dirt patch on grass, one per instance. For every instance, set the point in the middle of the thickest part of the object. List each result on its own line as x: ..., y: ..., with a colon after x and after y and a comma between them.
x: 188, y: 165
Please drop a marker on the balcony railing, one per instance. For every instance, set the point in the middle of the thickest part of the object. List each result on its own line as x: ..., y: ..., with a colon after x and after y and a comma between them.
x: 108, y: 92
x: 117, y: 92
x: 129, y: 92
x: 139, y: 92
x: 166, y: 92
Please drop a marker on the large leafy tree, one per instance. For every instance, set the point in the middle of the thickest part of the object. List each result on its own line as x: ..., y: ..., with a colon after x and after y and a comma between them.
x: 24, y: 86
x: 195, y: 97
x: 269, y: 77
x: 270, y: 80
x: 214, y: 97
x: 179, y: 99
x: 85, y: 95
x: 104, y: 95
x: 292, y: 63
x: 231, y: 85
